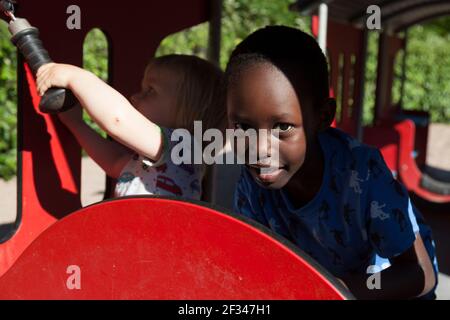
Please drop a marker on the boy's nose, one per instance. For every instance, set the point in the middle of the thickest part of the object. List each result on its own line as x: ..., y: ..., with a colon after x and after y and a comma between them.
x: 264, y: 145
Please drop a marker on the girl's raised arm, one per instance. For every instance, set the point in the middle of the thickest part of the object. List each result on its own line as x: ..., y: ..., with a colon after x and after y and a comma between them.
x: 106, y: 106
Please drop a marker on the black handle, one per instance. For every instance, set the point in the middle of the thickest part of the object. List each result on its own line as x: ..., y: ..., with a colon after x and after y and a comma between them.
x: 55, y: 100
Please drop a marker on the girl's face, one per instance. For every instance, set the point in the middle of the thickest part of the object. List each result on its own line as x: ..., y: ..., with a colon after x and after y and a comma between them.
x: 157, y: 98
x: 263, y: 98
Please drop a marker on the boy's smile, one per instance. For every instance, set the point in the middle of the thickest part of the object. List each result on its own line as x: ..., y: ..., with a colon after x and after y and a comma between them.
x: 263, y: 98
x: 267, y: 175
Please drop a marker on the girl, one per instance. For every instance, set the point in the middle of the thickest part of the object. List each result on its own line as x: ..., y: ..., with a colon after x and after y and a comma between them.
x: 176, y: 91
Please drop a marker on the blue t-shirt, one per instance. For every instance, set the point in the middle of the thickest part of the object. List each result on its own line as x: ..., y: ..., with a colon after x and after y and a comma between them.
x: 361, y: 216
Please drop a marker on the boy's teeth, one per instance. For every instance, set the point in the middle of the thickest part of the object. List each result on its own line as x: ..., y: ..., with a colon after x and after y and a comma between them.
x: 268, y: 170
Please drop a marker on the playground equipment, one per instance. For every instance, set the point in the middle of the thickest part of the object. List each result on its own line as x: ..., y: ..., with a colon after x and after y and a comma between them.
x: 403, y: 142
x: 396, y: 142
x: 164, y: 248
x: 142, y: 248
x: 26, y: 38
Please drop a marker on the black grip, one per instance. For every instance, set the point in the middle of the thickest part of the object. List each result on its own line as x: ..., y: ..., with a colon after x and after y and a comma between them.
x: 55, y: 99
x: 6, y: 5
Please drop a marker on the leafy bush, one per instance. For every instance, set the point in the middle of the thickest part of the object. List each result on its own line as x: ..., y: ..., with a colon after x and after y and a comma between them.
x: 8, y: 104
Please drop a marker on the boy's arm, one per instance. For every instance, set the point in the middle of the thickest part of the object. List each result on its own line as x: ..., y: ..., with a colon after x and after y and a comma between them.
x: 109, y: 155
x: 107, y: 107
x: 393, y: 232
x: 410, y: 275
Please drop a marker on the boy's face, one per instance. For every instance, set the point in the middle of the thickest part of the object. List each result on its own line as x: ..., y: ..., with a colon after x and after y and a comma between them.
x: 157, y: 98
x: 263, y: 98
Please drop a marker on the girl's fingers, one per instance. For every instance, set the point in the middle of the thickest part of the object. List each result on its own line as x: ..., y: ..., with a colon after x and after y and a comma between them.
x: 39, y: 84
x: 44, y: 82
x: 44, y: 69
x: 42, y: 89
x: 44, y: 74
x: 43, y: 85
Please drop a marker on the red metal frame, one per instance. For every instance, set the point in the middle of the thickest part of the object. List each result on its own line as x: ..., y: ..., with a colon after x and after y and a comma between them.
x: 350, y: 45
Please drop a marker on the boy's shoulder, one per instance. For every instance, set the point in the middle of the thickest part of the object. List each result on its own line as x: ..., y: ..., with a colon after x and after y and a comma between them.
x: 337, y: 143
x: 345, y: 141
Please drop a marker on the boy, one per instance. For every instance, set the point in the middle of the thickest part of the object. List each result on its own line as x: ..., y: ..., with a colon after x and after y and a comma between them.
x: 333, y: 197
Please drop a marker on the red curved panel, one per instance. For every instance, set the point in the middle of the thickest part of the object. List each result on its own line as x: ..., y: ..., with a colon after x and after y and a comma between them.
x: 145, y: 248
x: 396, y: 141
x: 410, y: 174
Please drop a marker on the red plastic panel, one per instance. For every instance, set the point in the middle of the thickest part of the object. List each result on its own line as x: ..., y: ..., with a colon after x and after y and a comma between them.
x: 396, y: 141
x: 346, y: 41
x: 421, y: 120
x: 410, y: 174
x: 144, y: 248
x: 387, y: 140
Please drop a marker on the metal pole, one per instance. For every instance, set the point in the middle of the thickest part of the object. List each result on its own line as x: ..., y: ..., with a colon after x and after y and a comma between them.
x: 323, y: 26
x: 405, y: 54
x: 362, y: 82
x: 214, y: 46
x: 215, y: 32
x: 382, y: 74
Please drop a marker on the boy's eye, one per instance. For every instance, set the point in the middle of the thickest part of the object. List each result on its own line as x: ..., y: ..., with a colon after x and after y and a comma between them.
x: 283, y: 127
x: 242, y: 126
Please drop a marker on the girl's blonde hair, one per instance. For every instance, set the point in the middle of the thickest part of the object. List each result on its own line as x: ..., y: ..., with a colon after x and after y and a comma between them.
x: 200, y: 93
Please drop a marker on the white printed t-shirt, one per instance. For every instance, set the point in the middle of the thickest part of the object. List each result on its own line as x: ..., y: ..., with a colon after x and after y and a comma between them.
x: 141, y: 176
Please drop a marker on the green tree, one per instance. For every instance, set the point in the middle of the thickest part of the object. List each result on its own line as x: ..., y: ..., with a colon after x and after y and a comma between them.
x: 8, y: 104
x: 240, y: 18
x: 427, y: 84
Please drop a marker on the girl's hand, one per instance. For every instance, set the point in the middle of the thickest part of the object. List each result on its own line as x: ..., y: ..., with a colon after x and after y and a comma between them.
x: 55, y: 75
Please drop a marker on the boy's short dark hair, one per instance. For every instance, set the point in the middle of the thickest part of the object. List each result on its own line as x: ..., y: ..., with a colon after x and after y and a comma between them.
x: 293, y: 52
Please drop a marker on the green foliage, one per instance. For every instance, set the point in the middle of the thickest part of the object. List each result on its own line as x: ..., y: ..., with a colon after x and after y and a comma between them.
x: 427, y: 84
x: 95, y: 53
x: 371, y: 78
x: 8, y: 104
x: 95, y: 59
x: 240, y: 18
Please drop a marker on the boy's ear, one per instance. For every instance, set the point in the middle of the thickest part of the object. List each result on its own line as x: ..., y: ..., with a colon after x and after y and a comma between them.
x: 327, y: 113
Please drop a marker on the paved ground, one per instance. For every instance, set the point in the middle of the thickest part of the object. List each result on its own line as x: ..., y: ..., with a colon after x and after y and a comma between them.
x: 93, y: 180
x: 438, y: 153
